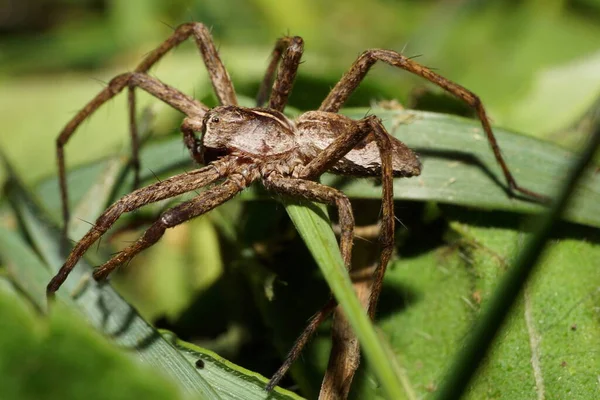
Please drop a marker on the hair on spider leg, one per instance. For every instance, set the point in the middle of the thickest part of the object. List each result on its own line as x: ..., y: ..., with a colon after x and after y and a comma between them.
x: 404, y: 47
x: 98, y: 245
x: 73, y: 241
x: 414, y: 57
x: 364, y: 239
x: 87, y: 222
x: 185, y: 171
x: 100, y: 81
x: 155, y: 176
x: 189, y: 12
x: 165, y: 23
x: 128, y: 262
x: 400, y: 222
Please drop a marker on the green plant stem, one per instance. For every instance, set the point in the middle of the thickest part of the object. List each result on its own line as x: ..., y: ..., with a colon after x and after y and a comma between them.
x: 512, y: 284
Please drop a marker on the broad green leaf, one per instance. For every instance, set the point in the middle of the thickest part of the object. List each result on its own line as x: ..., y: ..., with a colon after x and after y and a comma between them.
x: 439, y: 293
x: 101, y: 306
x: 548, y: 345
x: 506, y: 294
x: 60, y: 357
x: 425, y: 311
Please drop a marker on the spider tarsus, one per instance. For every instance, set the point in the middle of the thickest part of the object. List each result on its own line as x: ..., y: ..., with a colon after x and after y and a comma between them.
x: 50, y: 295
x: 541, y: 198
x: 53, y: 286
x: 100, y: 274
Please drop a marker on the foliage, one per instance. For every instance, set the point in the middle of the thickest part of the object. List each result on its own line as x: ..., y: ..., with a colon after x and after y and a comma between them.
x: 240, y: 281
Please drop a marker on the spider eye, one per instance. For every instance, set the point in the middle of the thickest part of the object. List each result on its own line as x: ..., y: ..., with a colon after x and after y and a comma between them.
x: 215, y: 119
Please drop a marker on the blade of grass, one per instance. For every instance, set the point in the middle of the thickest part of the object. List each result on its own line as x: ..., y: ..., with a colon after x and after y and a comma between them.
x: 513, y: 282
x: 315, y: 229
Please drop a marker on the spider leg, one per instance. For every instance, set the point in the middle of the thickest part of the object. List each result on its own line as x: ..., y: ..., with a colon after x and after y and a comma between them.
x: 310, y: 190
x: 386, y: 235
x: 357, y: 72
x: 165, y: 189
x: 291, y: 48
x: 218, y: 74
x: 344, y: 371
x: 313, y: 323
x: 166, y: 93
x: 336, y: 150
x: 199, y: 205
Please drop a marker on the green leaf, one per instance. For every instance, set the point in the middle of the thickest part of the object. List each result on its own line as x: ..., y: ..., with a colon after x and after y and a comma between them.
x: 440, y: 291
x: 61, y: 358
x: 513, y: 284
x: 548, y: 344
x: 233, y: 381
x: 425, y: 311
x: 542, y: 110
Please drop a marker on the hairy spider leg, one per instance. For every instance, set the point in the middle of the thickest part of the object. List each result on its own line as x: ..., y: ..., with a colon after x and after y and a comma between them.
x: 190, y: 209
x: 314, y: 191
x: 166, y: 93
x: 291, y: 48
x: 332, y: 153
x: 357, y: 72
x: 219, y: 77
x: 165, y: 189
x: 317, y: 192
x: 301, y: 341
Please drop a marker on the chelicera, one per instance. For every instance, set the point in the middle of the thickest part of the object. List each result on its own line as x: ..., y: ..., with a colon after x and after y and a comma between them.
x: 240, y: 146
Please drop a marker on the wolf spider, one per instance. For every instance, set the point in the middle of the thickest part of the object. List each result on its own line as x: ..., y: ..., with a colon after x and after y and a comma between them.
x: 242, y: 145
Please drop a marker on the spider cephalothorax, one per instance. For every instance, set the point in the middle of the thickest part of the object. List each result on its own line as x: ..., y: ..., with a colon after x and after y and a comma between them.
x: 241, y: 145
x: 257, y: 133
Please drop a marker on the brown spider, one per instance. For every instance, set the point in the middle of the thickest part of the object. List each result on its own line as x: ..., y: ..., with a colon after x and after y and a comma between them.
x: 242, y: 145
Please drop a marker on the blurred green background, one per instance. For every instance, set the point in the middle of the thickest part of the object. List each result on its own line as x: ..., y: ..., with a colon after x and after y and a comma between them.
x: 535, y: 64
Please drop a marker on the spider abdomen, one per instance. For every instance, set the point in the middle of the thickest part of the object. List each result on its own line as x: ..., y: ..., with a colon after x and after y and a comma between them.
x: 318, y: 129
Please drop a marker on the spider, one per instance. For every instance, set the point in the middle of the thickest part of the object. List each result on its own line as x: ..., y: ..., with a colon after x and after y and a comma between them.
x: 240, y: 145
